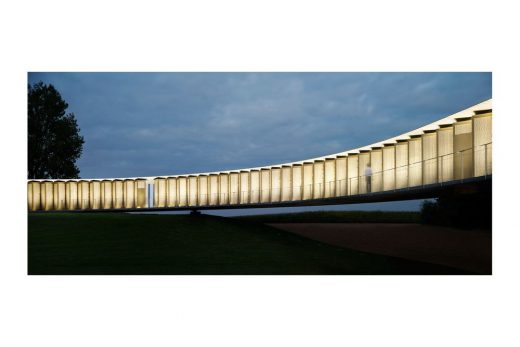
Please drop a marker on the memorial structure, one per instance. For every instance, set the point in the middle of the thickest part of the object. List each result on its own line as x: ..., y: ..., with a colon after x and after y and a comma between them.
x: 453, y: 150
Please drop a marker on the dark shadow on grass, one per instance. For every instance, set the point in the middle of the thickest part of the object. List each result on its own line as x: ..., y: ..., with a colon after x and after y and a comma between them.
x: 140, y: 244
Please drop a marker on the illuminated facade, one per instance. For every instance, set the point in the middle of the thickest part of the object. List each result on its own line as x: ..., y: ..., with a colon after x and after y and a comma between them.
x: 457, y: 147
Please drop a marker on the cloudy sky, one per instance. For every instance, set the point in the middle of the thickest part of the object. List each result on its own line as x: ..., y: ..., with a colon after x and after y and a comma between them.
x: 146, y: 124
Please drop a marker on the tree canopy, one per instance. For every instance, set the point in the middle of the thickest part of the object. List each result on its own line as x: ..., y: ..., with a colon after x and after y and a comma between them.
x: 54, y: 140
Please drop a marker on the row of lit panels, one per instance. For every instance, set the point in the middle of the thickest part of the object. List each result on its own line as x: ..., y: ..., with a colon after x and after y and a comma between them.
x: 82, y: 195
x: 455, y: 151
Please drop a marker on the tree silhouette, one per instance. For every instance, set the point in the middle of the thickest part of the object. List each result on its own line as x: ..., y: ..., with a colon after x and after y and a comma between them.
x: 54, y: 142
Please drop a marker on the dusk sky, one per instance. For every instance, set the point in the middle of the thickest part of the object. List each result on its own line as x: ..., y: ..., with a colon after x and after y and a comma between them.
x: 147, y: 124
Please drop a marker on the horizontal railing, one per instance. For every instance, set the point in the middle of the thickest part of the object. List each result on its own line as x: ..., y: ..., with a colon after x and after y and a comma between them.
x: 337, y: 188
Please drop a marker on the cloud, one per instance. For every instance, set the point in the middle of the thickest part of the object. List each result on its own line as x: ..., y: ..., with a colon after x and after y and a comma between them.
x: 144, y: 124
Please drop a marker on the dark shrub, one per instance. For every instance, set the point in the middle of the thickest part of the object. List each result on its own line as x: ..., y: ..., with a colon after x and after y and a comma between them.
x: 467, y: 211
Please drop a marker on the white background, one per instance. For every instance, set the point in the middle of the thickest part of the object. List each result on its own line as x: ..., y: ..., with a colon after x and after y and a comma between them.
x: 255, y: 310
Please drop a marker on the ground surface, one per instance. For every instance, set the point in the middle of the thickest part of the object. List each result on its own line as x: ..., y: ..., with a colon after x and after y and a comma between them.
x: 337, y: 217
x: 469, y: 250
x: 181, y: 244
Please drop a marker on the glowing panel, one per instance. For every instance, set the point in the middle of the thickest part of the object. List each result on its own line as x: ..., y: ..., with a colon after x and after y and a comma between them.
x: 415, y: 162
x: 71, y: 195
x: 203, y: 190
x: 297, y: 182
x: 140, y: 188
x: 276, y: 184
x: 213, y: 189
x: 55, y: 197
x: 193, y: 192
x: 156, y: 192
x: 171, y: 192
x: 47, y: 196
x: 376, y: 159
x: 244, y: 187
x: 34, y: 191
x: 430, y: 158
x: 265, y: 185
x: 106, y: 190
x: 84, y: 195
x: 330, y: 178
x: 341, y: 176
x: 363, y: 161
x: 159, y: 194
x: 401, y: 164
x: 318, y: 179
x: 95, y: 195
x: 182, y: 191
x: 129, y: 193
x: 224, y: 189
x: 353, y: 179
x: 59, y: 195
x: 234, y: 188
x: 286, y: 183
x: 462, y: 148
x: 482, y: 125
x: 30, y: 196
x: 308, y: 181
x: 255, y: 186
x: 445, y: 153
x: 389, y: 167
x: 118, y: 193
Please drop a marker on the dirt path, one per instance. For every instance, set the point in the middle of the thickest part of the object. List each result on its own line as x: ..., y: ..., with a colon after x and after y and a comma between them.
x: 439, y: 245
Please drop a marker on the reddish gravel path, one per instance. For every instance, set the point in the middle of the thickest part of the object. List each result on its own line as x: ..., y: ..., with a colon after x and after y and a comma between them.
x: 468, y: 250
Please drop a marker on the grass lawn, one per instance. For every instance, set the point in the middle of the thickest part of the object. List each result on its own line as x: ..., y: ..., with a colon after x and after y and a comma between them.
x: 118, y: 243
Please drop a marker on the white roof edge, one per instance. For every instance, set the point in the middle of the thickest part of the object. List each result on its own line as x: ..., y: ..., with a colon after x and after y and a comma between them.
x: 468, y: 112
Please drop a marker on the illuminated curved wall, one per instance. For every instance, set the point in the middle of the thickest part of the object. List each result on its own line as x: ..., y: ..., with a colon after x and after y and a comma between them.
x: 454, y: 148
